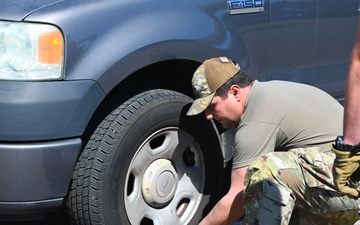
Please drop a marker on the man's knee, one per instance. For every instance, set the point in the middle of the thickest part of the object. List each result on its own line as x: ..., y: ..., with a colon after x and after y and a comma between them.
x: 267, y: 201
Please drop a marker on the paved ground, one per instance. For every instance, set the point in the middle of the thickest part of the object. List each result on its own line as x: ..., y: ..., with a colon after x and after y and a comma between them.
x: 59, y: 218
x: 56, y: 218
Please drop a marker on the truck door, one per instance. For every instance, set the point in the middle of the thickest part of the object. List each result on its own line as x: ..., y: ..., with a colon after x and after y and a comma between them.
x: 311, y: 42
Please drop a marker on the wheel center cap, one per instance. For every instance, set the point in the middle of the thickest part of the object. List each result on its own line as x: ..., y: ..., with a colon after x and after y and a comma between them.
x: 159, y: 183
x: 165, y: 184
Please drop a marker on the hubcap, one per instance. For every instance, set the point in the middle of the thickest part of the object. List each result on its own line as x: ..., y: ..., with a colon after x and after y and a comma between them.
x: 165, y: 179
x: 159, y: 183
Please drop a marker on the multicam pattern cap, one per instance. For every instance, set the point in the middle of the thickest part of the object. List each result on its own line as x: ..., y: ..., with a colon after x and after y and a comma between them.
x: 209, y: 77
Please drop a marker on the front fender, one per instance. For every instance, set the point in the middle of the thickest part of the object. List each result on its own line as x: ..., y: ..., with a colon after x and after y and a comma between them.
x: 128, y: 35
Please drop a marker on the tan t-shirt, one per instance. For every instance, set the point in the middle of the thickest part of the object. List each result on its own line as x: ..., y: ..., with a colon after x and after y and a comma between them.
x: 282, y: 115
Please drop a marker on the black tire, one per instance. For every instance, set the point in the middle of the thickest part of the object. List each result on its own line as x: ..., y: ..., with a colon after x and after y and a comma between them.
x: 148, y: 163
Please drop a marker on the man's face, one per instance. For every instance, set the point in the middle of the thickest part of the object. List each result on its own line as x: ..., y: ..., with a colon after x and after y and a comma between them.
x: 225, y: 110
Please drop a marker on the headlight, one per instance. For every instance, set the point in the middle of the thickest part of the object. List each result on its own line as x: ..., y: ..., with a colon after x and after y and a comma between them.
x: 30, y: 51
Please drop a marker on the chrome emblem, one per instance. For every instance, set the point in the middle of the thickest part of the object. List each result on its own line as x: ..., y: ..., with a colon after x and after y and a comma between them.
x: 245, y: 6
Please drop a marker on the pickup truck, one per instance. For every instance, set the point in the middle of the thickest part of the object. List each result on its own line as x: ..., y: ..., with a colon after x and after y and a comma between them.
x: 93, y: 96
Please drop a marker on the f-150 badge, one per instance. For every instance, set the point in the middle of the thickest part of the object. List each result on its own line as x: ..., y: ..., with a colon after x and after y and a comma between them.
x: 245, y: 6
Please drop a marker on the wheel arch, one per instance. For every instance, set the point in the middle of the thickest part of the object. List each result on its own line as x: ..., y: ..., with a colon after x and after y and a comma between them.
x: 169, y: 74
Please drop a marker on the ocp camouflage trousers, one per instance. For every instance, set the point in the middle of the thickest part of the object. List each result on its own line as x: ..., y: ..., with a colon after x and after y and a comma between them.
x: 296, y: 187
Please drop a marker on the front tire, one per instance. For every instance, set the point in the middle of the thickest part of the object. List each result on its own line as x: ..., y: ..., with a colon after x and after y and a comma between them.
x: 148, y: 163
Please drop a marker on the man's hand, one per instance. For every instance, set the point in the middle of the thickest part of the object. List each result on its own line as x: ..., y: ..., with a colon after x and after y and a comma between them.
x: 345, y: 165
x: 229, y: 209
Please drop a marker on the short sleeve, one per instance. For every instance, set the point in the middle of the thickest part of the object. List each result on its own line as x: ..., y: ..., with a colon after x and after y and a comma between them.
x: 252, y: 141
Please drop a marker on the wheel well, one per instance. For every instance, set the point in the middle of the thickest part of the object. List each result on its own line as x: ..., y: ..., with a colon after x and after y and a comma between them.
x: 172, y: 74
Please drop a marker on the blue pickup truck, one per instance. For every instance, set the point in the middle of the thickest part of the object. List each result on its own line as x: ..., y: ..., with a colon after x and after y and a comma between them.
x: 93, y: 95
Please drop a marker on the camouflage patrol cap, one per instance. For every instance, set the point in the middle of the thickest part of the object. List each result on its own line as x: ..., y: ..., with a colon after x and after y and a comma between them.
x: 209, y: 77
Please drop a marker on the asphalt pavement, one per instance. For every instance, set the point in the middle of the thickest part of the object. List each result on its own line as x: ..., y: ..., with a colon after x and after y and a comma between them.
x: 54, y: 218
x: 60, y: 218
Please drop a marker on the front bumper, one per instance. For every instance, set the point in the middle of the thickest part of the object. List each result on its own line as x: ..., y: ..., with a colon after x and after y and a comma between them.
x: 35, y: 177
x: 40, y: 128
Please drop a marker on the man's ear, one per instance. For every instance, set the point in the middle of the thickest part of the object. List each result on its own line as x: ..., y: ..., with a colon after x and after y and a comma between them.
x: 235, y: 91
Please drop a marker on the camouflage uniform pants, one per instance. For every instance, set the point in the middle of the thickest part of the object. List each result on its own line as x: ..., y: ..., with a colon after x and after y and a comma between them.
x: 296, y: 187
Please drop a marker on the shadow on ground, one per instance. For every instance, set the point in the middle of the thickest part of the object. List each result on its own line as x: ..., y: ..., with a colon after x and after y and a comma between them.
x: 54, y: 218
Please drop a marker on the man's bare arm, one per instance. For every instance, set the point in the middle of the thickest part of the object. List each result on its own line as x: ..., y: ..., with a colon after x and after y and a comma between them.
x: 229, y: 209
x: 352, y: 100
